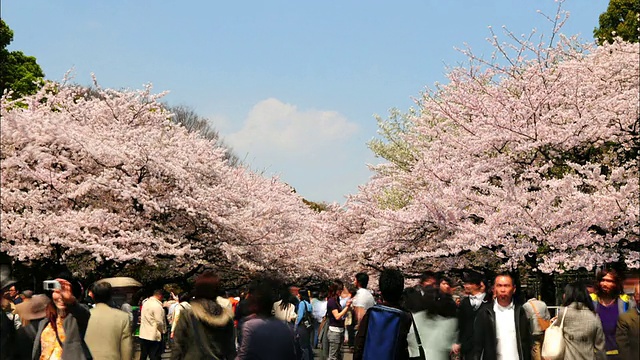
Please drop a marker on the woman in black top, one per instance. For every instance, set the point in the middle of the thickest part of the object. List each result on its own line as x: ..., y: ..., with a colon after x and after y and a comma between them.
x: 335, y: 314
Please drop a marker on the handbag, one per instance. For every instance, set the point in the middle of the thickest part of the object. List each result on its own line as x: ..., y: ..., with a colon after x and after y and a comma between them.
x: 553, y: 344
x: 543, y: 323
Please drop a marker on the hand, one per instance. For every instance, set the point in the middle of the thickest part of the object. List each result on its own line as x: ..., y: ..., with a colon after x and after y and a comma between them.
x: 349, y: 302
x: 65, y: 292
x: 455, y: 348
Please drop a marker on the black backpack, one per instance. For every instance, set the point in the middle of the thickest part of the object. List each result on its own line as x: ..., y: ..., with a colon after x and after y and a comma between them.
x: 307, y: 318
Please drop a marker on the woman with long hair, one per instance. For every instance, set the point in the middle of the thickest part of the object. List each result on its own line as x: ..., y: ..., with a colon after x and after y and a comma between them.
x: 284, y: 309
x: 61, y: 333
x: 583, y: 335
x: 336, y: 313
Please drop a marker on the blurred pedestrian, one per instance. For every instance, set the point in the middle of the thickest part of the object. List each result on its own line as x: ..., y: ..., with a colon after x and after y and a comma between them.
x: 61, y: 333
x: 582, y: 330
x: 263, y: 336
x: 539, y: 316
x: 204, y: 329
x: 31, y: 312
x: 610, y: 302
x: 109, y: 330
x: 152, y: 327
x: 628, y: 330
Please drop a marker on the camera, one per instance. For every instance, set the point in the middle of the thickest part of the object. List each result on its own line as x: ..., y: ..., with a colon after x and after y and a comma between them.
x: 50, y: 285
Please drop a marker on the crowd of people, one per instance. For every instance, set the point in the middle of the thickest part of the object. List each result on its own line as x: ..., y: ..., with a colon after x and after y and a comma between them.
x: 269, y: 320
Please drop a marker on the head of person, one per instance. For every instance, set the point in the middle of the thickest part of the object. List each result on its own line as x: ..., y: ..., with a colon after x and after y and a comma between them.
x: 294, y: 291
x: 262, y: 295
x: 504, y: 288
x: 428, y: 279
x: 577, y: 293
x: 362, y: 280
x: 13, y: 292
x: 335, y: 288
x: 26, y: 295
x: 609, y: 283
x: 473, y: 284
x: 391, y: 285
x: 207, y: 286
x: 286, y: 297
x: 158, y: 294
x: 102, y: 292
x: 304, y: 295
x: 185, y: 297
x: 529, y: 293
x: 445, y: 285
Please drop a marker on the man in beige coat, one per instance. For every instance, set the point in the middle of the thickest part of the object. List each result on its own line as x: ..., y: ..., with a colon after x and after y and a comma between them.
x: 152, y: 327
x: 108, y: 333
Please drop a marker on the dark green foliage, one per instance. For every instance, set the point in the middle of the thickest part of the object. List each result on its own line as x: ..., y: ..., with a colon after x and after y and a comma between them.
x: 621, y: 17
x: 18, y: 72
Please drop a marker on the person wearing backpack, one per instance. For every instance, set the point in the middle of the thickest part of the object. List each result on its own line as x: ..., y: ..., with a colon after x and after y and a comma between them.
x: 304, y: 325
x: 382, y: 335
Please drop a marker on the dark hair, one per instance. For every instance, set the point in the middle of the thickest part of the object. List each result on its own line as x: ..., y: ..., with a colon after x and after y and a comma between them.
x: 286, y: 298
x: 363, y: 279
x: 184, y: 297
x: 101, y: 292
x: 577, y: 292
x: 473, y: 278
x: 617, y: 278
x: 445, y: 278
x: 304, y: 295
x: 529, y: 292
x: 426, y: 276
x: 413, y: 300
x: 437, y: 303
x: 335, y: 287
x: 262, y: 296
x: 158, y: 292
x: 391, y: 284
x: 207, y: 286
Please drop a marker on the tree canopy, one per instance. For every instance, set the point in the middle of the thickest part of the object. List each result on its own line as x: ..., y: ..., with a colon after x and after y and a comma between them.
x: 620, y: 20
x: 19, y: 73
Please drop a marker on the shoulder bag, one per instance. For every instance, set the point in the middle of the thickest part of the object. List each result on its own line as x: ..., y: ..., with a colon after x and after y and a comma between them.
x: 554, y: 344
x: 543, y: 323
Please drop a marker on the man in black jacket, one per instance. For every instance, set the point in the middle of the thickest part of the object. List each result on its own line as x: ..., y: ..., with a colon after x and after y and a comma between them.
x: 502, y: 328
x: 475, y: 287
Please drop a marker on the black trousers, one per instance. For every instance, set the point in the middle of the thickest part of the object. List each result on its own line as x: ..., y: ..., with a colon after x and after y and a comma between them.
x: 152, y: 349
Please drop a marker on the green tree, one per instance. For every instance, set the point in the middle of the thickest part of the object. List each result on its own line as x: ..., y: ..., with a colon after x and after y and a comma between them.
x: 620, y: 20
x: 20, y: 73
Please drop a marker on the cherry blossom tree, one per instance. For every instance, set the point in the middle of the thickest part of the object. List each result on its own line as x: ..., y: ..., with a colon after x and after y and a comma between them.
x: 527, y: 158
x: 106, y: 181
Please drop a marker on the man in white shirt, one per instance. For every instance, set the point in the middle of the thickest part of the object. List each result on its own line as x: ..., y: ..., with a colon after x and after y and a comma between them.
x: 501, y: 330
x: 363, y: 299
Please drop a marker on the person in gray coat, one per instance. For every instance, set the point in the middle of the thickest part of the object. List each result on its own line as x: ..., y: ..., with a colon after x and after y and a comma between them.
x: 583, y: 335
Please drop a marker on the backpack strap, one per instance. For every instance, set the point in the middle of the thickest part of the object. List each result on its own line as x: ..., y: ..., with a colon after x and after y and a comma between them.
x: 415, y: 331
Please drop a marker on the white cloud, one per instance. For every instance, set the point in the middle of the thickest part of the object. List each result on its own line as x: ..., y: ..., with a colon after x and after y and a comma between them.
x: 274, y: 127
x: 316, y: 152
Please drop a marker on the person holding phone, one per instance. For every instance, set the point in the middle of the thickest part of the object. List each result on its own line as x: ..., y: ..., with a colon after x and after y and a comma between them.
x: 61, y: 333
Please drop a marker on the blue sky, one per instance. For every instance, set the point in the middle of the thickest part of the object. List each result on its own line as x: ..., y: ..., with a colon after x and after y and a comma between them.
x: 293, y: 86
